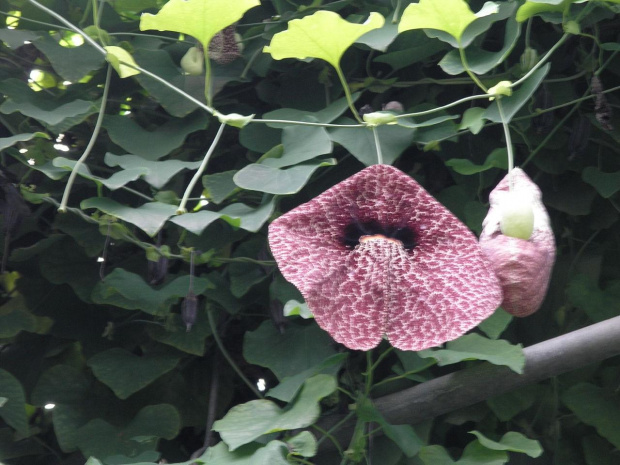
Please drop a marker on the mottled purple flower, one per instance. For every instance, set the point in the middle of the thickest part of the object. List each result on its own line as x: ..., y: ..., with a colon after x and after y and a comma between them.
x: 377, y: 256
x: 522, y: 266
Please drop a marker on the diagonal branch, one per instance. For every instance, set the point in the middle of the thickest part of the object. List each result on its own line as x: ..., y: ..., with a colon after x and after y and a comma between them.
x: 467, y: 387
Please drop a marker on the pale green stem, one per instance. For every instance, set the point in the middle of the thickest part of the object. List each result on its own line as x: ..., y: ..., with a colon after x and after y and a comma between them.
x: 227, y: 356
x: 201, y: 169
x: 89, y: 147
x: 449, y: 105
x: 306, y: 123
x: 542, y: 61
x: 378, y: 146
x: 511, y: 161
x: 102, y: 50
x: 347, y: 94
x: 469, y: 71
x: 208, y: 87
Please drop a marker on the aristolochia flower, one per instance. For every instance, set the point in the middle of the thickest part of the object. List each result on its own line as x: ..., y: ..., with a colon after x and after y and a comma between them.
x: 377, y: 256
x: 522, y: 266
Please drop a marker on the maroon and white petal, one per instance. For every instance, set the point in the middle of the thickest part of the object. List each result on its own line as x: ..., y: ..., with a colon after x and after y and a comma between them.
x: 522, y: 266
x: 417, y: 297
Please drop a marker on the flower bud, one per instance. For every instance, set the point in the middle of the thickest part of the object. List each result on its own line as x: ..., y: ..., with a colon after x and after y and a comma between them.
x: 193, y: 62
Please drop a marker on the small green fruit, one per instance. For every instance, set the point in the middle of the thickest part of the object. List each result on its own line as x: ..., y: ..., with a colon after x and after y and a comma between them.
x: 193, y: 62
x: 517, y: 216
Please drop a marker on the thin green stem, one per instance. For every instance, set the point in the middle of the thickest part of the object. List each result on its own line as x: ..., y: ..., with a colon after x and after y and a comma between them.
x: 511, y: 160
x: 444, y: 107
x: 201, y: 169
x: 377, y: 145
x: 469, y: 71
x: 306, y: 123
x: 67, y: 23
x: 208, y: 86
x: 347, y: 93
x: 528, y: 31
x: 227, y: 356
x: 387, y: 352
x: 91, y: 143
x: 542, y: 61
x: 329, y: 433
x: 396, y: 16
x: 34, y: 21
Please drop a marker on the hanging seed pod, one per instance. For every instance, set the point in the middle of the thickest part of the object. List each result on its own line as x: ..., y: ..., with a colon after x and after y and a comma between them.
x: 189, y: 310
x: 602, y: 109
x: 224, y: 48
x: 579, y: 137
x: 523, y: 266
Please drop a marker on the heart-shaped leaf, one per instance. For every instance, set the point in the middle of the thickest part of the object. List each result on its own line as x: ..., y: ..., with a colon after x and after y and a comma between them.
x: 199, y: 18
x: 126, y: 373
x: 323, y: 35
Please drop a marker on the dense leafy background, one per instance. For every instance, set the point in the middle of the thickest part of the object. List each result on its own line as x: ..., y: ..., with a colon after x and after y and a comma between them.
x: 130, y: 384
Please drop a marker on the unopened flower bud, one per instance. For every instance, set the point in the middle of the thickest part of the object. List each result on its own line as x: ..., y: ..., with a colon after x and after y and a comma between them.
x: 193, y: 62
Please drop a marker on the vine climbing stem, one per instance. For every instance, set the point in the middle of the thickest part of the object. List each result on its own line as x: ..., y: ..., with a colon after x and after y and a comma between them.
x: 200, y: 170
x: 91, y: 143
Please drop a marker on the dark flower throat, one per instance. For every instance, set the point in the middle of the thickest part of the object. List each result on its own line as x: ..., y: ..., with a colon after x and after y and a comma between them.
x: 357, y: 229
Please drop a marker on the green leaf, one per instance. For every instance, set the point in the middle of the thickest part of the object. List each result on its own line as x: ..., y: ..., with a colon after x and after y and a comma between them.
x: 507, y: 406
x: 435, y: 455
x: 394, y: 140
x: 127, y: 290
x: 533, y: 8
x: 433, y: 14
x: 126, y: 373
x: 476, y: 347
x: 476, y: 454
x: 600, y: 305
x: 149, y: 217
x: 498, y: 158
x: 511, y: 105
x: 381, y: 38
x: 272, y: 180
x: 13, y: 408
x: 57, y: 115
x: 404, y: 436
x: 303, y: 444
x: 473, y: 119
x: 495, y: 325
x: 323, y: 35
x: 290, y: 385
x: 15, y: 317
x: 175, y: 334
x: 596, y: 407
x: 302, y: 143
x: 236, y: 214
x: 155, y: 144
x: 201, y: 19
x: 305, y: 347
x: 246, y: 422
x: 295, y: 308
x: 606, y: 184
x: 482, y: 61
x: 156, y: 173
x: 116, y: 181
x: 274, y: 453
x: 219, y: 186
x: 512, y: 442
x: 6, y: 142
x: 15, y: 38
x: 326, y: 115
x: 71, y: 63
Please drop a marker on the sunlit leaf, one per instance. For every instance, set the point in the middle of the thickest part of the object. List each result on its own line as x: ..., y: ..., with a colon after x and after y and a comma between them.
x: 323, y: 35
x: 201, y: 19
x: 451, y: 16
